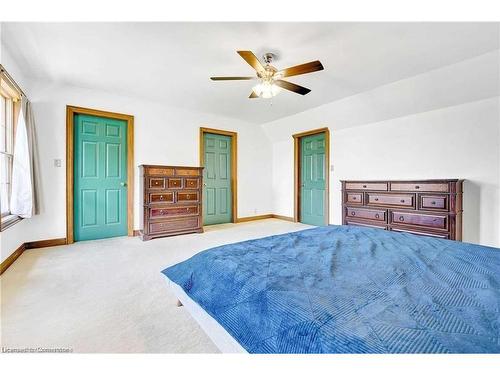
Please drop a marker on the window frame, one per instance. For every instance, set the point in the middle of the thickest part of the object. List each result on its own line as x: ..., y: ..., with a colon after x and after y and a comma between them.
x: 11, y: 111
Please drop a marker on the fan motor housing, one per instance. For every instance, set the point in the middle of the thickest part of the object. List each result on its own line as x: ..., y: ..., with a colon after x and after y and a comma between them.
x: 269, y: 57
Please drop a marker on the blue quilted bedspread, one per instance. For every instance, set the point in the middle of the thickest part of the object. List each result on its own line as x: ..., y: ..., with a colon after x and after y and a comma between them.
x: 346, y: 289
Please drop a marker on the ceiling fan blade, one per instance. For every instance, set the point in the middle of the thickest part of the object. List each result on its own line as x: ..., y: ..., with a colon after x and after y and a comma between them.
x: 292, y: 87
x: 251, y: 59
x: 230, y: 78
x: 309, y: 67
x: 253, y: 95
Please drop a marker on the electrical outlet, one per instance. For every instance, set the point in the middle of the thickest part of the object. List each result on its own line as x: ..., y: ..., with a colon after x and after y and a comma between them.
x: 57, y: 163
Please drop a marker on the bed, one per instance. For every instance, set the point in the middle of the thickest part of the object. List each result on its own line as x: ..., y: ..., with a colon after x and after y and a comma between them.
x: 344, y: 289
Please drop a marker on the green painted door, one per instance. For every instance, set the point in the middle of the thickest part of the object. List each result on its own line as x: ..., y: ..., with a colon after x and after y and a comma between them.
x: 100, y: 176
x: 217, y: 207
x: 313, y: 181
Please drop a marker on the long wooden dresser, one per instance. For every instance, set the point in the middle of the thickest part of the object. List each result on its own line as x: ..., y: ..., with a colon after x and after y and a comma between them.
x: 172, y: 200
x: 425, y: 207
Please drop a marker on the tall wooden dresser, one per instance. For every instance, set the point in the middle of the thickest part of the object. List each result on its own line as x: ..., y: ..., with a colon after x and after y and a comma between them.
x: 427, y: 207
x: 172, y: 200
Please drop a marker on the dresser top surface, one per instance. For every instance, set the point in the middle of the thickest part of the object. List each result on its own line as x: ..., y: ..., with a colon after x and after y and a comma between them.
x: 168, y: 166
x: 414, y: 180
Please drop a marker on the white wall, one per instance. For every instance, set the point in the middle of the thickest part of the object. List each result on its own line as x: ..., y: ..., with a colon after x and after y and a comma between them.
x: 456, y: 142
x: 162, y: 135
x: 459, y: 140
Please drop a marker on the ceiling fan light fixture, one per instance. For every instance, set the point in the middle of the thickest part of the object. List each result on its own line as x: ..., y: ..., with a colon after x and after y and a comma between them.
x: 266, y: 89
x: 270, y: 78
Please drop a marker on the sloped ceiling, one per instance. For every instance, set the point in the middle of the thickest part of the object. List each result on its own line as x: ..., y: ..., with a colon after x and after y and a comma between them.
x: 172, y: 62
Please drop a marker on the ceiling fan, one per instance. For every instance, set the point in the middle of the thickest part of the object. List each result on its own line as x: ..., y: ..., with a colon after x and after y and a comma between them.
x: 271, y: 78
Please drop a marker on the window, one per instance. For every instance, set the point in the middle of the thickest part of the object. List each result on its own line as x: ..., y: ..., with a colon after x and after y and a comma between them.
x: 9, y: 110
x: 6, y: 151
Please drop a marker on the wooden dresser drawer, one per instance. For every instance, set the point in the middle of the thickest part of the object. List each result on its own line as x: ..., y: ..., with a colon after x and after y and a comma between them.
x: 175, y: 183
x: 398, y: 200
x: 354, y: 198
x: 188, y: 196
x: 423, y: 220
x: 365, y: 224
x: 187, y: 172
x: 156, y: 183
x: 164, y: 197
x: 161, y: 171
x: 177, y: 224
x: 419, y: 186
x: 433, y: 202
x: 362, y: 213
x: 160, y: 212
x: 192, y: 183
x: 428, y: 234
x: 366, y: 186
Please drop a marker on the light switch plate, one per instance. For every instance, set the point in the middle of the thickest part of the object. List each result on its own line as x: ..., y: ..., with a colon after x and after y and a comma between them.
x: 57, y: 163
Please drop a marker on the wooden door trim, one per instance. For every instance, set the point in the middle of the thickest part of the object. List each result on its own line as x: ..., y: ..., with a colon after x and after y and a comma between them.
x: 297, y: 169
x: 234, y: 165
x: 71, y: 111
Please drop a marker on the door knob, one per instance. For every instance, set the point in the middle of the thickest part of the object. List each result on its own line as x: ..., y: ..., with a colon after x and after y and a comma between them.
x: 123, y: 183
x: 204, y: 184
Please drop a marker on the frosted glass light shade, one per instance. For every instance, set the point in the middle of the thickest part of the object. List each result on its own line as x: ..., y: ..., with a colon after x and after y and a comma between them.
x: 266, y: 90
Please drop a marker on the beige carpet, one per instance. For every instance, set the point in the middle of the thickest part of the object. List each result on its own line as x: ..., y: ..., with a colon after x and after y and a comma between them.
x: 109, y: 295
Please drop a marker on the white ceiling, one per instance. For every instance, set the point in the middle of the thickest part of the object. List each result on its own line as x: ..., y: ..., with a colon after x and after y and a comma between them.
x: 172, y: 62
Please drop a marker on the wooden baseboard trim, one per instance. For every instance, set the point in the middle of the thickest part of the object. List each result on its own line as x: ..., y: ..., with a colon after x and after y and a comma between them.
x: 45, y: 243
x: 30, y: 245
x: 252, y: 218
x: 281, y: 217
x: 12, y: 258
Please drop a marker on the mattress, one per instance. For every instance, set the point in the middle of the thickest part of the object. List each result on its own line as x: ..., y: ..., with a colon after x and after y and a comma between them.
x: 347, y: 289
x: 219, y: 336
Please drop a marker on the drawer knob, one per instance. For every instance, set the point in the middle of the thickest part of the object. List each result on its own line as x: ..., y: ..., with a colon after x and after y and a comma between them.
x: 353, y: 213
x: 401, y: 218
x: 402, y: 200
x: 376, y: 199
x: 354, y: 198
x: 187, y: 196
x: 161, y: 197
x: 377, y: 216
x: 417, y: 187
x: 364, y: 186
